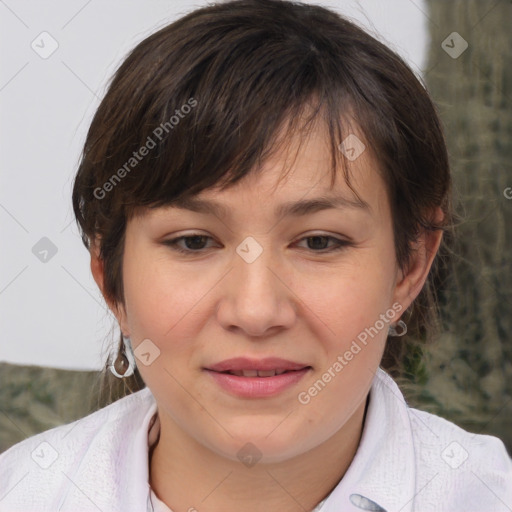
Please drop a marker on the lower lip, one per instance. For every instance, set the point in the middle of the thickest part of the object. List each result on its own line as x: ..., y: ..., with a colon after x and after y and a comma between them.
x: 257, y: 387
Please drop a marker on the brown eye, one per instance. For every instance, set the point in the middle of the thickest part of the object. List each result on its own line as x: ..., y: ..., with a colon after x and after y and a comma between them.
x: 193, y: 243
x: 319, y: 243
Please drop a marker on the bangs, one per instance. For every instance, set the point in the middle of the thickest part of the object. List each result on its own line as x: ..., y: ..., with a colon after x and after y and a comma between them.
x: 208, y: 118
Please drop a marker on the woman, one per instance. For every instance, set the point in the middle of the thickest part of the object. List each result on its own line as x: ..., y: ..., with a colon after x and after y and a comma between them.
x: 257, y: 359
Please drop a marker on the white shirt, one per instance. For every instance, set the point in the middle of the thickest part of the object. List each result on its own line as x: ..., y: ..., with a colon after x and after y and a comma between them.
x: 407, y: 461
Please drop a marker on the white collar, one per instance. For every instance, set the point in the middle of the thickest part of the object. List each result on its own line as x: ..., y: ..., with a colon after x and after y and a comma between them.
x: 382, y: 475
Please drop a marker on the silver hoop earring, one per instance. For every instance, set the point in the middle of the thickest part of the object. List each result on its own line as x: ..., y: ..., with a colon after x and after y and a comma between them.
x: 124, y: 364
x: 401, y: 331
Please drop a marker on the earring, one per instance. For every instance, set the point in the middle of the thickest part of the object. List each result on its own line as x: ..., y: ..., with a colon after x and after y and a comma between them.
x: 401, y: 331
x: 124, y: 365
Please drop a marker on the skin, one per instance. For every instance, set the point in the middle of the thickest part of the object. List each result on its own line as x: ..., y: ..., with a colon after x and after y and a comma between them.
x: 295, y: 301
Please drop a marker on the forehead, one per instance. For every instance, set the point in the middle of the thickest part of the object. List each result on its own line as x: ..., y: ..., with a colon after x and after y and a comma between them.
x: 296, y: 180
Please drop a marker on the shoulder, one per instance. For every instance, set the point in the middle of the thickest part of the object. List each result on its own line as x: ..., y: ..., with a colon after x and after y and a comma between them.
x: 457, y: 467
x: 34, y: 463
x: 454, y: 446
x: 430, y: 463
x: 83, y: 429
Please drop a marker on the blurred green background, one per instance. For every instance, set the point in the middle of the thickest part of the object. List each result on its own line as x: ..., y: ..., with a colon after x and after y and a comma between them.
x: 466, y: 376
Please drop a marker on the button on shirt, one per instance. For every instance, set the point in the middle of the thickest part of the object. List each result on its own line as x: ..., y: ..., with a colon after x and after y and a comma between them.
x: 407, y: 460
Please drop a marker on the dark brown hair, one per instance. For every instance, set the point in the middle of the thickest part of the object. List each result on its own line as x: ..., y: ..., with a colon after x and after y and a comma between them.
x: 206, y: 96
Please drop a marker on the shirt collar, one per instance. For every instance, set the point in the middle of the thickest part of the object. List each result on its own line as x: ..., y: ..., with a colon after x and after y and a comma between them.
x: 382, y: 475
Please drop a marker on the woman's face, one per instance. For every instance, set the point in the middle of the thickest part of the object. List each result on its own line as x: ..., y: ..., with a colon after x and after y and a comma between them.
x: 316, y: 288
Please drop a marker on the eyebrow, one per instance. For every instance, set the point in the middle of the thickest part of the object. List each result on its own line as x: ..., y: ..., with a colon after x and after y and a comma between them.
x: 292, y: 208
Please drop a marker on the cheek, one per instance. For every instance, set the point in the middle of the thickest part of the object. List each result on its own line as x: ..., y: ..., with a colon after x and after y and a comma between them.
x: 169, y: 306
x: 350, y: 299
x: 354, y: 337
x: 156, y: 296
x: 162, y: 306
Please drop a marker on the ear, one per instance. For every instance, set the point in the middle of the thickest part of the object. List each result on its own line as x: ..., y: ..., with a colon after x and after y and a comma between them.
x: 411, y: 281
x: 98, y: 272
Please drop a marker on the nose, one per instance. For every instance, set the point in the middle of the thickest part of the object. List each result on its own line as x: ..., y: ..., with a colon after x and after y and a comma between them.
x: 256, y: 298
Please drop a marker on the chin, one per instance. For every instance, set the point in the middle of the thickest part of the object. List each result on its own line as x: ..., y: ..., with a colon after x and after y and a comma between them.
x: 268, y: 441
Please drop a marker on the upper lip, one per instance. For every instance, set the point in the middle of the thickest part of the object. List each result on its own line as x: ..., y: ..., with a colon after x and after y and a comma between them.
x: 244, y: 363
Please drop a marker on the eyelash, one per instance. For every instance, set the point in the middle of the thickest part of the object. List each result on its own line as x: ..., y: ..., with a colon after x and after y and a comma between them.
x: 173, y: 243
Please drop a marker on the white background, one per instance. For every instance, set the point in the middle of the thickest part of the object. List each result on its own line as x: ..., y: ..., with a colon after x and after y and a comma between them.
x: 52, y: 313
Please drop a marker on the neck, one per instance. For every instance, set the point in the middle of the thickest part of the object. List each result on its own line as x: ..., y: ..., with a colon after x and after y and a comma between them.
x: 188, y: 476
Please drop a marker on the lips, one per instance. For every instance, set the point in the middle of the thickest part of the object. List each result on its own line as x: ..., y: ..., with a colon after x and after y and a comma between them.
x: 246, y: 367
x: 256, y: 373
x: 257, y: 378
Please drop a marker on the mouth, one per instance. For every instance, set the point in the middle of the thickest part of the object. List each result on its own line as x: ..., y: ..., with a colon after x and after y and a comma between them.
x: 260, y: 373
x: 251, y: 378
x: 249, y: 367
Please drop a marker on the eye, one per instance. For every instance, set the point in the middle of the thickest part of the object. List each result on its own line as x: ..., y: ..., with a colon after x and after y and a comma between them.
x: 319, y: 242
x: 195, y: 243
